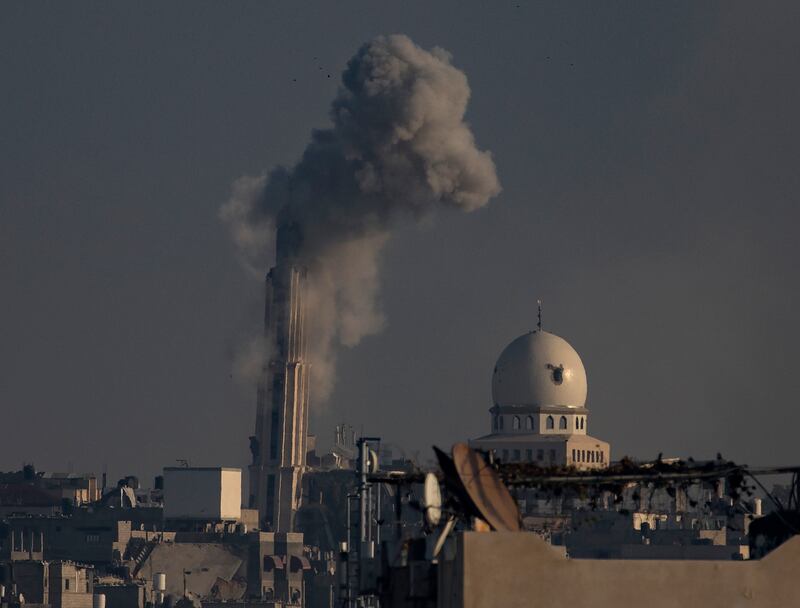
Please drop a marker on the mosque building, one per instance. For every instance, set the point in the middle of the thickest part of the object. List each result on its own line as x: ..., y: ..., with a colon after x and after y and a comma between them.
x: 539, y: 413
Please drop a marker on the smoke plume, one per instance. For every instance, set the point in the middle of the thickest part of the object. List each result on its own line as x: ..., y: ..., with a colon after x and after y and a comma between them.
x: 398, y: 146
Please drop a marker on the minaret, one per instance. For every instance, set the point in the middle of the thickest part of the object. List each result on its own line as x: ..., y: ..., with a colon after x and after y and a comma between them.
x: 279, y: 443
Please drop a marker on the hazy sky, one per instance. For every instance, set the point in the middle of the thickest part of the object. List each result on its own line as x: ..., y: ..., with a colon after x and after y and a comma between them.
x: 649, y: 157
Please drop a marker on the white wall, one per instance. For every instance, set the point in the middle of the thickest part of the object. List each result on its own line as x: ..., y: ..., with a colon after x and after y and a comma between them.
x: 211, y: 494
x: 231, y: 498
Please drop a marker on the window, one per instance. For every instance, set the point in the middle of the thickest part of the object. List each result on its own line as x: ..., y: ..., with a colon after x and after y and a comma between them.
x: 494, y: 423
x: 583, y: 455
x: 529, y: 423
x: 92, y: 538
x: 583, y: 422
x: 505, y: 455
x: 517, y: 456
x: 562, y: 423
x: 574, y: 458
x: 501, y: 422
x: 602, y: 457
x: 515, y: 423
x: 539, y: 455
x: 550, y: 423
x: 552, y: 455
x: 529, y: 455
x: 66, y: 584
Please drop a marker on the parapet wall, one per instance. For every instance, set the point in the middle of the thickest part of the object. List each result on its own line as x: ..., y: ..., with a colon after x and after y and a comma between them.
x: 516, y: 570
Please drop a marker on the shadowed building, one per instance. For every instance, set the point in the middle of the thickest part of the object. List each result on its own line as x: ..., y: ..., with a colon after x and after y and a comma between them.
x: 517, y: 570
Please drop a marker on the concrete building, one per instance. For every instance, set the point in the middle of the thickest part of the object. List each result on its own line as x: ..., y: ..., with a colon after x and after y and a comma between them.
x: 76, y: 488
x: 71, y: 585
x: 539, y: 413
x: 278, y: 446
x: 203, y: 494
x: 121, y: 594
x: 41, y: 493
x: 255, y: 566
x: 87, y: 537
x: 485, y: 570
x: 57, y: 584
x: 27, y: 499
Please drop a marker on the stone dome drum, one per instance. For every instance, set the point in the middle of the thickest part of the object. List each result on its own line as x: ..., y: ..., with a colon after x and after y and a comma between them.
x: 539, y: 369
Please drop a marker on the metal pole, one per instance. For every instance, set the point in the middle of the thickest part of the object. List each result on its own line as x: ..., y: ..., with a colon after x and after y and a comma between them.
x: 370, y: 518
x: 349, y: 551
x: 378, y: 514
x: 362, y: 494
x: 398, y: 508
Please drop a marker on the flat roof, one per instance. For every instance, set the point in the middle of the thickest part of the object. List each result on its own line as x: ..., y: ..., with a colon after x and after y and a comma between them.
x: 202, y: 469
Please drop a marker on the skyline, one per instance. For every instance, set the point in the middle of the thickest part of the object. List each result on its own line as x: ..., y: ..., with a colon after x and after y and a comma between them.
x: 648, y: 160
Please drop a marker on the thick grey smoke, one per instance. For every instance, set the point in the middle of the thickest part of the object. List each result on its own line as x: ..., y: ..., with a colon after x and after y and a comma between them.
x: 398, y: 146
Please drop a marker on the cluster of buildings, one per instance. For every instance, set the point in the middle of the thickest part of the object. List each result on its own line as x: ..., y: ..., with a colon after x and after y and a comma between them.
x: 318, y: 530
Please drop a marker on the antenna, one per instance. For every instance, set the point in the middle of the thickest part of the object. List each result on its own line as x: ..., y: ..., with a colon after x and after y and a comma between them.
x: 539, y: 323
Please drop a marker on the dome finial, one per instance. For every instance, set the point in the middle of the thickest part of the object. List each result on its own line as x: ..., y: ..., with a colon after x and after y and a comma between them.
x: 539, y: 322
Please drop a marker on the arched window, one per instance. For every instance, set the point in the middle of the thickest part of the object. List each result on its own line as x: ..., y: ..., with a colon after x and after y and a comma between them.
x: 515, y: 423
x: 550, y: 423
x: 529, y: 423
x: 562, y: 423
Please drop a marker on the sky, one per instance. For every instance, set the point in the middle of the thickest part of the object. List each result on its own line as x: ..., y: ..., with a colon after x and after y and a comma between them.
x: 648, y: 154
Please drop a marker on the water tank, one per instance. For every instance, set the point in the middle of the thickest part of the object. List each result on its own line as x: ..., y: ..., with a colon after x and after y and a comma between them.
x: 160, y: 581
x: 99, y: 600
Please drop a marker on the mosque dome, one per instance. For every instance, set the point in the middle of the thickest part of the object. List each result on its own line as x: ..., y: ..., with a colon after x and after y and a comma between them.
x: 540, y: 369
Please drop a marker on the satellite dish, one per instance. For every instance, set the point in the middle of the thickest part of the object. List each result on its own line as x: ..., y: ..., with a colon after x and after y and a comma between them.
x: 372, y: 461
x: 488, y: 494
x: 432, y: 500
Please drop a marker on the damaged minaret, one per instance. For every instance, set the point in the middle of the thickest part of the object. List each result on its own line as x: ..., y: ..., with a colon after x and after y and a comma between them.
x: 397, y: 146
x: 279, y: 443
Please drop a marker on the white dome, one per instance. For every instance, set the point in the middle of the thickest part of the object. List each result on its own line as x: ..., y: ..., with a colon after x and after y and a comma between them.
x: 539, y: 368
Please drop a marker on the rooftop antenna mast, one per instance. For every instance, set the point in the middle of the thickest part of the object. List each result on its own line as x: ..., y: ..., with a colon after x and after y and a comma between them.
x: 539, y: 322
